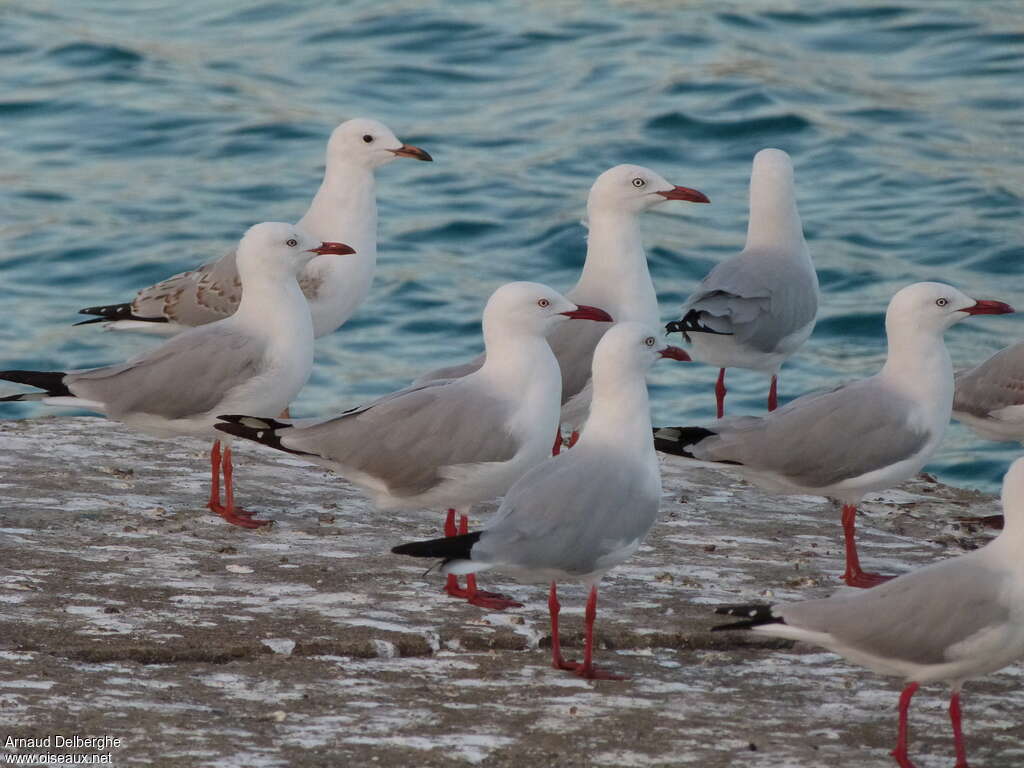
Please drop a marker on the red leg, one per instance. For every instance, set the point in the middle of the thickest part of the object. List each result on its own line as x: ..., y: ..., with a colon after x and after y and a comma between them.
x: 479, y: 597
x: 588, y: 637
x: 451, y: 585
x: 574, y: 438
x: 214, y: 503
x: 854, y: 576
x: 231, y: 513
x: 720, y: 392
x: 773, y: 394
x: 554, y: 607
x: 557, y: 447
x: 900, y: 753
x: 958, y: 734
x: 587, y: 668
x: 472, y: 595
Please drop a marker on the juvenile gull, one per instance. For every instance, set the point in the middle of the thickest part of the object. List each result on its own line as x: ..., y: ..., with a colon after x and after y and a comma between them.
x: 454, y: 442
x: 344, y: 209
x: 615, y: 277
x: 583, y: 512
x: 757, y: 308
x: 952, y: 621
x: 861, y: 437
x: 256, y: 360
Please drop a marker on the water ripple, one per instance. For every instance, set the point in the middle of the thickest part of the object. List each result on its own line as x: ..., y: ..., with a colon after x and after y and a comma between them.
x: 139, y: 141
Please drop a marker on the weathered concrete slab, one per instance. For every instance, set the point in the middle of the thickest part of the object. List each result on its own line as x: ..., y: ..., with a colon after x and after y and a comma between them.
x: 127, y: 610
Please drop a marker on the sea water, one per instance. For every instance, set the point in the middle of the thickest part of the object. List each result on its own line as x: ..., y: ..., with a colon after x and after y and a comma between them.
x: 141, y: 139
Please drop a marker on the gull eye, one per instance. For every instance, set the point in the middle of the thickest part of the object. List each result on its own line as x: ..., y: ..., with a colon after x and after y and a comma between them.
x: 291, y: 242
x: 638, y: 182
x: 941, y: 302
x: 367, y: 138
x: 649, y: 341
x: 543, y: 303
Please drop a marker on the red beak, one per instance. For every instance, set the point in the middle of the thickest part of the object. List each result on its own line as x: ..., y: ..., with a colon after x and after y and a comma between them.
x: 685, y: 193
x: 675, y: 353
x: 337, y: 248
x: 583, y: 312
x: 987, y: 307
x: 408, y: 150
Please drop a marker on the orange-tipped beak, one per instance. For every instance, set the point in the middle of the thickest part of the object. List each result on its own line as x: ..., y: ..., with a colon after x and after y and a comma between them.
x: 988, y: 307
x: 684, y: 193
x: 339, y: 249
x: 584, y: 312
x: 408, y: 150
x: 675, y: 353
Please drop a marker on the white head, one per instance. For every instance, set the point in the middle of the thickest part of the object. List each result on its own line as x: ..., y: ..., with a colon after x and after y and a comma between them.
x: 533, y: 309
x: 274, y: 246
x: 630, y: 347
x: 367, y: 144
x: 773, y: 166
x: 934, y: 307
x: 774, y: 219
x: 634, y: 189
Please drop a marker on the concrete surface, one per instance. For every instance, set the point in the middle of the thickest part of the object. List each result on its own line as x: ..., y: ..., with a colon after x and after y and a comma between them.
x: 127, y: 611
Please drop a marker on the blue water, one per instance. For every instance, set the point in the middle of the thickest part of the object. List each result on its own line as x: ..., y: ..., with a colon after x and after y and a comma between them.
x: 139, y: 139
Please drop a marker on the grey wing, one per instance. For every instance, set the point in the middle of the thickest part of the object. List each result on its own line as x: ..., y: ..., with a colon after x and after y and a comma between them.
x: 760, y: 297
x: 994, y: 384
x: 573, y: 343
x: 186, y: 376
x: 211, y: 292
x: 452, y: 371
x: 918, y: 617
x: 822, y: 438
x: 572, y: 513
x: 411, y: 439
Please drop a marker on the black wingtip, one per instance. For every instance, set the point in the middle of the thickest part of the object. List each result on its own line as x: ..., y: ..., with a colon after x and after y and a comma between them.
x: 690, y: 323
x: 677, y: 440
x: 257, y: 422
x: 677, y: 326
x: 50, y: 381
x: 752, y: 615
x: 448, y: 548
x: 90, y: 322
x: 109, y: 313
x: 259, y: 430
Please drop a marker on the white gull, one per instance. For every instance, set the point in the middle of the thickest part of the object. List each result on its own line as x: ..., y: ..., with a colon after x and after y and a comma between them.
x: 989, y: 398
x: 615, y: 277
x: 864, y: 436
x: 583, y: 512
x: 255, y: 360
x: 451, y: 442
x: 757, y: 308
x: 952, y: 621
